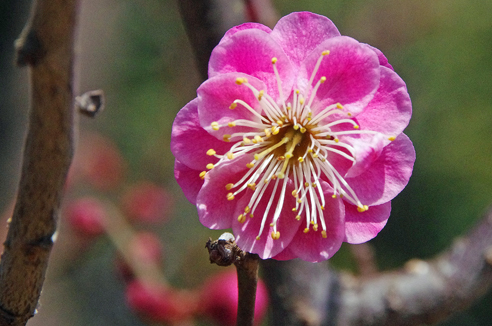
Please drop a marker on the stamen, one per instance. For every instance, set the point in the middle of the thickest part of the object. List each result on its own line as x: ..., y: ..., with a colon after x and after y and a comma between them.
x: 316, y: 67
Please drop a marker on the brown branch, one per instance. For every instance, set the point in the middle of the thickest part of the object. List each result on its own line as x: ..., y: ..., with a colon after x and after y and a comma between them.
x: 225, y: 252
x: 46, y: 45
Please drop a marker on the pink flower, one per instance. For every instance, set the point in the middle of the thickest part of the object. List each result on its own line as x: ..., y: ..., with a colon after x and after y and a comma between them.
x: 295, y: 141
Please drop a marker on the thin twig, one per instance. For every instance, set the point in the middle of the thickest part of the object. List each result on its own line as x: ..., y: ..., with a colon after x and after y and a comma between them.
x: 46, y: 45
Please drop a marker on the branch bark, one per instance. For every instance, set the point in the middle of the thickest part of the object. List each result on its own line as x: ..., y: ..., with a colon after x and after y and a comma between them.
x: 46, y: 45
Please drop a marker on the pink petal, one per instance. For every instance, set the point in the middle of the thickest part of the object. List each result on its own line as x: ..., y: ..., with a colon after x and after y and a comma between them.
x: 242, y: 27
x: 390, y: 110
x: 388, y: 175
x: 351, y: 71
x: 287, y: 225
x: 366, y: 152
x: 383, y: 61
x: 251, y: 51
x: 214, y: 210
x: 362, y: 227
x: 300, y: 32
x: 188, y: 179
x: 312, y: 246
x: 190, y: 142
x: 215, y: 97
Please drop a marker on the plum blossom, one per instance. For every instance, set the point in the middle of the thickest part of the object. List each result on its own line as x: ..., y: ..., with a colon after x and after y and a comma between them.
x: 296, y: 139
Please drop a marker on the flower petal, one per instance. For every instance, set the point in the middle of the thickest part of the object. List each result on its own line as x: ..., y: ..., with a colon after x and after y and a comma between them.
x: 287, y: 225
x: 190, y: 142
x: 300, y: 32
x: 366, y: 152
x: 388, y: 175
x: 383, y: 61
x: 215, y: 97
x: 351, y: 70
x: 188, y: 179
x: 362, y: 227
x: 242, y: 27
x: 391, y: 108
x: 250, y: 51
x: 214, y: 209
x: 312, y: 246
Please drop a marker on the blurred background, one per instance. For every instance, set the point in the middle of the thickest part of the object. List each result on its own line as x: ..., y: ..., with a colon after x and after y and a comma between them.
x: 138, y: 53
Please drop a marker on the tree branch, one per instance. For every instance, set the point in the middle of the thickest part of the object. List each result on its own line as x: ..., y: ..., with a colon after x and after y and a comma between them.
x: 46, y: 45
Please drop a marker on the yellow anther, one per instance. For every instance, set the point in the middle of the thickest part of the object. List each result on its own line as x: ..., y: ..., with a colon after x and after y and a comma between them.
x: 241, y: 80
x: 247, y: 210
x: 294, y: 209
x: 323, y: 234
x: 336, y: 140
x: 288, y: 155
x: 274, y: 177
x: 202, y: 174
x: 298, y: 217
x: 296, y: 127
x: 334, y: 196
x: 267, y: 132
x: 250, y: 165
x: 229, y: 186
x: 294, y: 193
x: 241, y: 218
x: 300, y: 159
x: 258, y: 237
x: 233, y: 106
x: 391, y: 138
x: 303, y: 130
x: 306, y: 230
x: 356, y: 127
x: 280, y: 123
x: 230, y: 155
x: 306, y: 184
x: 230, y: 196
x: 226, y: 138
x: 339, y: 106
x: 274, y: 60
x: 301, y: 100
x: 275, y: 130
x: 252, y: 186
x: 315, y: 155
x: 312, y: 222
x: 210, y: 166
x: 362, y: 209
x: 258, y: 138
x: 275, y: 235
x: 215, y: 125
x: 322, y: 207
x: 288, y: 108
x: 325, y: 52
x: 281, y: 175
x: 260, y: 94
x: 349, y: 114
x: 251, y: 215
x: 299, y: 201
x: 281, y: 158
x: 246, y: 140
x: 211, y: 152
x: 314, y: 185
x: 257, y: 157
x: 254, y: 141
x: 231, y: 124
x: 322, y: 79
x: 315, y: 227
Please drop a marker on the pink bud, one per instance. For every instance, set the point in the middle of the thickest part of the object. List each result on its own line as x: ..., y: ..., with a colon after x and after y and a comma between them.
x: 219, y: 296
x: 147, y: 202
x: 157, y: 303
x: 86, y: 216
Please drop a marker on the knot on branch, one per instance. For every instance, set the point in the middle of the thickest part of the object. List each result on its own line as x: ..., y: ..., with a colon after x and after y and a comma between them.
x: 224, y: 251
x: 28, y: 48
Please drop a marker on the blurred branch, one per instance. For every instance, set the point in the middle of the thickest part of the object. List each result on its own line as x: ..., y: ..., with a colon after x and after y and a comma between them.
x: 422, y: 292
x: 46, y: 45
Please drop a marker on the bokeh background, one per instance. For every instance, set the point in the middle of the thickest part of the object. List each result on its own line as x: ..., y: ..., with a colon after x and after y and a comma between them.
x: 138, y: 53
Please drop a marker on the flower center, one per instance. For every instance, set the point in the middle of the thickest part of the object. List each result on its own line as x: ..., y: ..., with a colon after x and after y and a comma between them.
x: 288, y: 142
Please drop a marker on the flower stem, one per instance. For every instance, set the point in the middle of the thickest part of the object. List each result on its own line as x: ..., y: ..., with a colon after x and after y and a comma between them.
x: 247, y: 278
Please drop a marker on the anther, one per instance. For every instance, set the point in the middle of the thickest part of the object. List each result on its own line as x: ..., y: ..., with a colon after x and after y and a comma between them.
x: 202, y: 174
x: 260, y: 95
x: 231, y: 124
x: 362, y: 209
x: 356, y: 126
x: 250, y: 165
x: 274, y: 60
x: 315, y: 227
x: 210, y: 166
x: 323, y: 234
x: 303, y: 130
x: 258, y: 237
x: 230, y: 196
x: 294, y: 193
x: 246, y: 209
x: 229, y: 186
x: 275, y: 235
x: 267, y: 132
x: 215, y: 125
x: 246, y: 140
x: 300, y: 159
x: 241, y: 80
x: 233, y: 106
x: 211, y: 152
x: 252, y: 186
x: 391, y: 138
x: 294, y: 209
x: 230, y: 155
x: 306, y: 230
x: 226, y: 138
x: 298, y: 217
x: 325, y: 52
x: 241, y: 218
